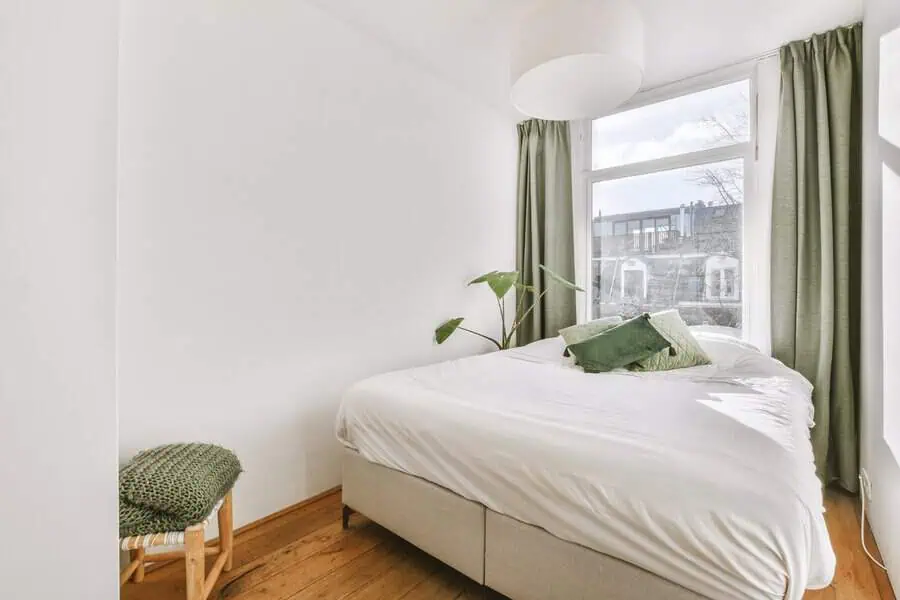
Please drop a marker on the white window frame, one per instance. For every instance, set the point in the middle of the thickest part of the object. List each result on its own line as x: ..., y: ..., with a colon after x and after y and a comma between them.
x: 585, y: 176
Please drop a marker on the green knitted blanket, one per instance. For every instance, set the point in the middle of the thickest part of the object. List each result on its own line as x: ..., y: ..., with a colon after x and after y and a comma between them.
x: 172, y: 487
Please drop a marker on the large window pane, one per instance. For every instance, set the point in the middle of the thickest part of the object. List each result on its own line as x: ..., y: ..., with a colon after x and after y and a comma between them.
x: 670, y: 240
x: 712, y: 118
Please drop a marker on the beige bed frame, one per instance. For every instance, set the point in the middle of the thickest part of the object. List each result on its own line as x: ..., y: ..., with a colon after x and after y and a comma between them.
x: 506, y: 555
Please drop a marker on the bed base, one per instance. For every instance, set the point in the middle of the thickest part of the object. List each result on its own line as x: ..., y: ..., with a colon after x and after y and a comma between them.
x: 497, y: 551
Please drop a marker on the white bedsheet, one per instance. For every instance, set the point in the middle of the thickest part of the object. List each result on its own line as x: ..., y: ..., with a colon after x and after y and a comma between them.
x: 704, y: 476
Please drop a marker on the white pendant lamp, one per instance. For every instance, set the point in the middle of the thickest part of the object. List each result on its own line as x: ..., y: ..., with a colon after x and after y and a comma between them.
x: 574, y: 59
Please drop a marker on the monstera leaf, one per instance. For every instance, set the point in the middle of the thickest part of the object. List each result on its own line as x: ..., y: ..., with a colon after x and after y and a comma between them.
x: 446, y: 329
x: 499, y: 281
x: 560, y: 279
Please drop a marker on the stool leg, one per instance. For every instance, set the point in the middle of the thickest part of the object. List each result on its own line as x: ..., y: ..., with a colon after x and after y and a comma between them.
x: 226, y: 531
x: 194, y: 562
x: 138, y: 555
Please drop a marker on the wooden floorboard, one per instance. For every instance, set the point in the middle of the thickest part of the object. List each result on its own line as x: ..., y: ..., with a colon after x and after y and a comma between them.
x: 288, y: 582
x: 855, y: 577
x: 441, y: 586
x: 415, y: 568
x: 881, y: 576
x: 305, y: 555
x: 266, y: 567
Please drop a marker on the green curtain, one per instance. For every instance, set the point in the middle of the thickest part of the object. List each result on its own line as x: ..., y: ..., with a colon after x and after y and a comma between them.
x: 816, y: 219
x: 544, y: 225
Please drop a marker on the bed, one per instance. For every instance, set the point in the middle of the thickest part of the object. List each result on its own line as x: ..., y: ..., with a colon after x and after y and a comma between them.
x: 542, y: 482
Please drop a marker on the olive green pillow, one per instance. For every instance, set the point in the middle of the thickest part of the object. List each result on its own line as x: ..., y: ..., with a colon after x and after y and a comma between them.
x: 632, y: 341
x: 580, y: 333
x: 687, y: 351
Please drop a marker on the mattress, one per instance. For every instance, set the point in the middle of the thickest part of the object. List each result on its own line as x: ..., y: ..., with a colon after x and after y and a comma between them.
x: 703, y: 476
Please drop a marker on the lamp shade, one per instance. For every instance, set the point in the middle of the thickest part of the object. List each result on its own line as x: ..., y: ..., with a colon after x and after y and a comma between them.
x: 574, y: 59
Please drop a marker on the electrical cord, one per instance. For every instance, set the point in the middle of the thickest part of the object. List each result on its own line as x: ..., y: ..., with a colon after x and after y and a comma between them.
x: 862, y: 524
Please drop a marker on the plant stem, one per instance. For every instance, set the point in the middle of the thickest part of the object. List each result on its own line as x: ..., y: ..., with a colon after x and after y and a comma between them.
x: 490, y: 339
x: 528, y: 312
x: 519, y: 316
x: 503, y: 338
x: 521, y: 304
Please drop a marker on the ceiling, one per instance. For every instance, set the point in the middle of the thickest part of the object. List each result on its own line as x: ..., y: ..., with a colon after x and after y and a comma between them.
x: 466, y: 41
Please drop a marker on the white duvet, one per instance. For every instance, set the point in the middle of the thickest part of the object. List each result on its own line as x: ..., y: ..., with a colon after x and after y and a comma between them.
x: 703, y: 476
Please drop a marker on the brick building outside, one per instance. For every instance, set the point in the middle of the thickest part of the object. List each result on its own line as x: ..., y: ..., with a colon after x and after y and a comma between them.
x: 687, y: 257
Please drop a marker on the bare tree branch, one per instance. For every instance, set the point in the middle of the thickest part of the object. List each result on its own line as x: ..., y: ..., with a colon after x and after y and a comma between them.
x: 727, y: 181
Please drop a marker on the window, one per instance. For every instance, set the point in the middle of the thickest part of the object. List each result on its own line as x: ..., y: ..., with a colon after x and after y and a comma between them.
x: 722, y: 278
x: 728, y: 279
x: 634, y: 228
x: 666, y: 183
x: 634, y: 284
x: 715, y: 284
x: 713, y: 118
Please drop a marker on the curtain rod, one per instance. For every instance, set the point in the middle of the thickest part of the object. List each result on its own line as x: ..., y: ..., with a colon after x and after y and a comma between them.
x: 734, y: 65
x: 742, y: 62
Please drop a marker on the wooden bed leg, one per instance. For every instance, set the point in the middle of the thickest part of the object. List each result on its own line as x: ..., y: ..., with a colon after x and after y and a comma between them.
x: 226, y: 531
x: 346, y: 511
x: 194, y: 562
x: 138, y: 555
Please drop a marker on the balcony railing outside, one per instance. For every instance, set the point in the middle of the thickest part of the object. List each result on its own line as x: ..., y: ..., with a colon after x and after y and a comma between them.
x: 648, y: 242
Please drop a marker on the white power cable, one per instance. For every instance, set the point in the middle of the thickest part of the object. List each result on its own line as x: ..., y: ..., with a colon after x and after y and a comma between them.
x: 862, y: 524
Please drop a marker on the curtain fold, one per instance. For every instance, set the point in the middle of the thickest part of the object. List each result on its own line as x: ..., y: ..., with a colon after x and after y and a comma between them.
x: 544, y: 227
x: 816, y: 220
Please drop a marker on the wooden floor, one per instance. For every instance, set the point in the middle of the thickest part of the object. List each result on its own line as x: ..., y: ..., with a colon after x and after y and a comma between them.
x: 304, y: 554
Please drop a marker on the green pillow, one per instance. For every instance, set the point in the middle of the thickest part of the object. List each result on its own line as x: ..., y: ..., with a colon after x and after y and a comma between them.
x: 580, y: 333
x: 687, y: 351
x: 632, y: 341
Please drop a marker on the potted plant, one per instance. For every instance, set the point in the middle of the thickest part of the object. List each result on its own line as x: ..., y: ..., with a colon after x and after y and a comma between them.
x: 501, y: 283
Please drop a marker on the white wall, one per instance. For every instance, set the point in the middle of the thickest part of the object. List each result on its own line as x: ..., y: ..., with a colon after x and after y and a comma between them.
x: 300, y: 206
x: 57, y: 298
x: 880, y: 377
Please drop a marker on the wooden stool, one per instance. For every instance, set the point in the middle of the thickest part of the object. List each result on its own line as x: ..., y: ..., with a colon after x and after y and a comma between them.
x: 199, y: 585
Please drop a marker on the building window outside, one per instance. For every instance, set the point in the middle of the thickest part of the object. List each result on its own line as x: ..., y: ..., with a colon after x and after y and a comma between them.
x: 722, y: 278
x: 728, y: 279
x: 715, y: 288
x: 667, y: 191
x: 634, y: 284
x: 634, y: 281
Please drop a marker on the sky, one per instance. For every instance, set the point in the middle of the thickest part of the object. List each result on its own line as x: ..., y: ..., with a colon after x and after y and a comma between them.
x: 684, y: 124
